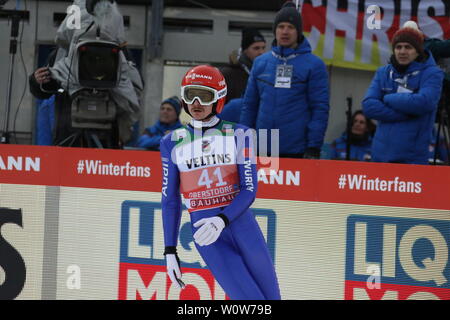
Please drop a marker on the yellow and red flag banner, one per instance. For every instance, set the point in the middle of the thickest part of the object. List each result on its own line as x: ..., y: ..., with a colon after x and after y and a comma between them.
x: 357, y: 34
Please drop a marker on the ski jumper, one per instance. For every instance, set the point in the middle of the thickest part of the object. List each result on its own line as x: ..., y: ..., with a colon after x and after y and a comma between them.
x: 215, y: 170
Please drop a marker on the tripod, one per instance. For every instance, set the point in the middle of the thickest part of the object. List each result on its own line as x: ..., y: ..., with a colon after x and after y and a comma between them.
x: 88, y: 138
x: 443, y: 118
x: 15, y: 16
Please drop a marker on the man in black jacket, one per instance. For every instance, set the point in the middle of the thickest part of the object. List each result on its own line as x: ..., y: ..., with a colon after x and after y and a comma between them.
x: 237, y: 71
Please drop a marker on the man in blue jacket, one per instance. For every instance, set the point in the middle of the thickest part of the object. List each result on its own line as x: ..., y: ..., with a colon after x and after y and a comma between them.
x: 169, y: 114
x: 288, y: 90
x: 404, y: 97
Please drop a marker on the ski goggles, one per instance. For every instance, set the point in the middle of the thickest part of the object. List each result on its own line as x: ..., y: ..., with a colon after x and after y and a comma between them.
x: 205, y: 95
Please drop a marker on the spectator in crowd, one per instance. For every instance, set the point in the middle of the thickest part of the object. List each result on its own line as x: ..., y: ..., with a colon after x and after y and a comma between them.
x: 360, y: 140
x: 169, y: 114
x: 237, y: 71
x: 232, y: 111
x: 288, y: 90
x: 403, y: 97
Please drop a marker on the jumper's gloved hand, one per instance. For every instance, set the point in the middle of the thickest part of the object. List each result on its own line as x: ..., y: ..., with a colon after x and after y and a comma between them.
x: 209, y: 232
x: 173, y: 270
x: 312, y: 153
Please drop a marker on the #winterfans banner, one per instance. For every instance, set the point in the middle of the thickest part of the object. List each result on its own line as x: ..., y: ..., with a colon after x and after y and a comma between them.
x: 86, y: 224
x: 357, y: 34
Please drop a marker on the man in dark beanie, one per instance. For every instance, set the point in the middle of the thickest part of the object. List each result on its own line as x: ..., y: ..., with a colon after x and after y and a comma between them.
x: 403, y: 98
x: 169, y: 114
x: 288, y: 90
x: 237, y: 71
x: 290, y: 15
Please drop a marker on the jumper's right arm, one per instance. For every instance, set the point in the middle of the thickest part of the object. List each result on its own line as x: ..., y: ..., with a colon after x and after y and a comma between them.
x: 171, y: 198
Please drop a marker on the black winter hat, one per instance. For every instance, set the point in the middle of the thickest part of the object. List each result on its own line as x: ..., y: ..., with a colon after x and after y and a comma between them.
x: 174, y: 102
x: 289, y: 13
x: 250, y: 36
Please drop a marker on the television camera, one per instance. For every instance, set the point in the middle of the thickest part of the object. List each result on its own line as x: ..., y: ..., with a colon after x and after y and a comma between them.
x: 104, y: 87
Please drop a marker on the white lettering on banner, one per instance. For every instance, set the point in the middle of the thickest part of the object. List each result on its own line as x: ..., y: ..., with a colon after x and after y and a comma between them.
x: 157, y: 287
x: 360, y: 265
x: 279, y: 177
x: 361, y: 182
x: 427, y: 24
x: 344, y: 21
x: 97, y: 167
x: 16, y: 164
x: 433, y: 270
x: 136, y: 250
x: 314, y: 35
x: 374, y: 31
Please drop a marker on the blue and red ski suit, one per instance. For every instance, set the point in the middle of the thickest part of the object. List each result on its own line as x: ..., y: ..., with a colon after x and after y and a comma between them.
x: 215, y: 171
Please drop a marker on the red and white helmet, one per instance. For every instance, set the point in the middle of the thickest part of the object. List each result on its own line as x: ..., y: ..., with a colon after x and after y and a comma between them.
x: 205, y: 84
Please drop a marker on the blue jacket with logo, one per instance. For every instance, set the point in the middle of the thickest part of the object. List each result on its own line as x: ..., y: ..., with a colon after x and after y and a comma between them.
x: 405, y: 119
x: 301, y: 112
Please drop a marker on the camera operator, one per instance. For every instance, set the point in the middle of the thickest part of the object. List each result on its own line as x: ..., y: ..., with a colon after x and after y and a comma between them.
x: 96, y: 85
x: 43, y: 86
